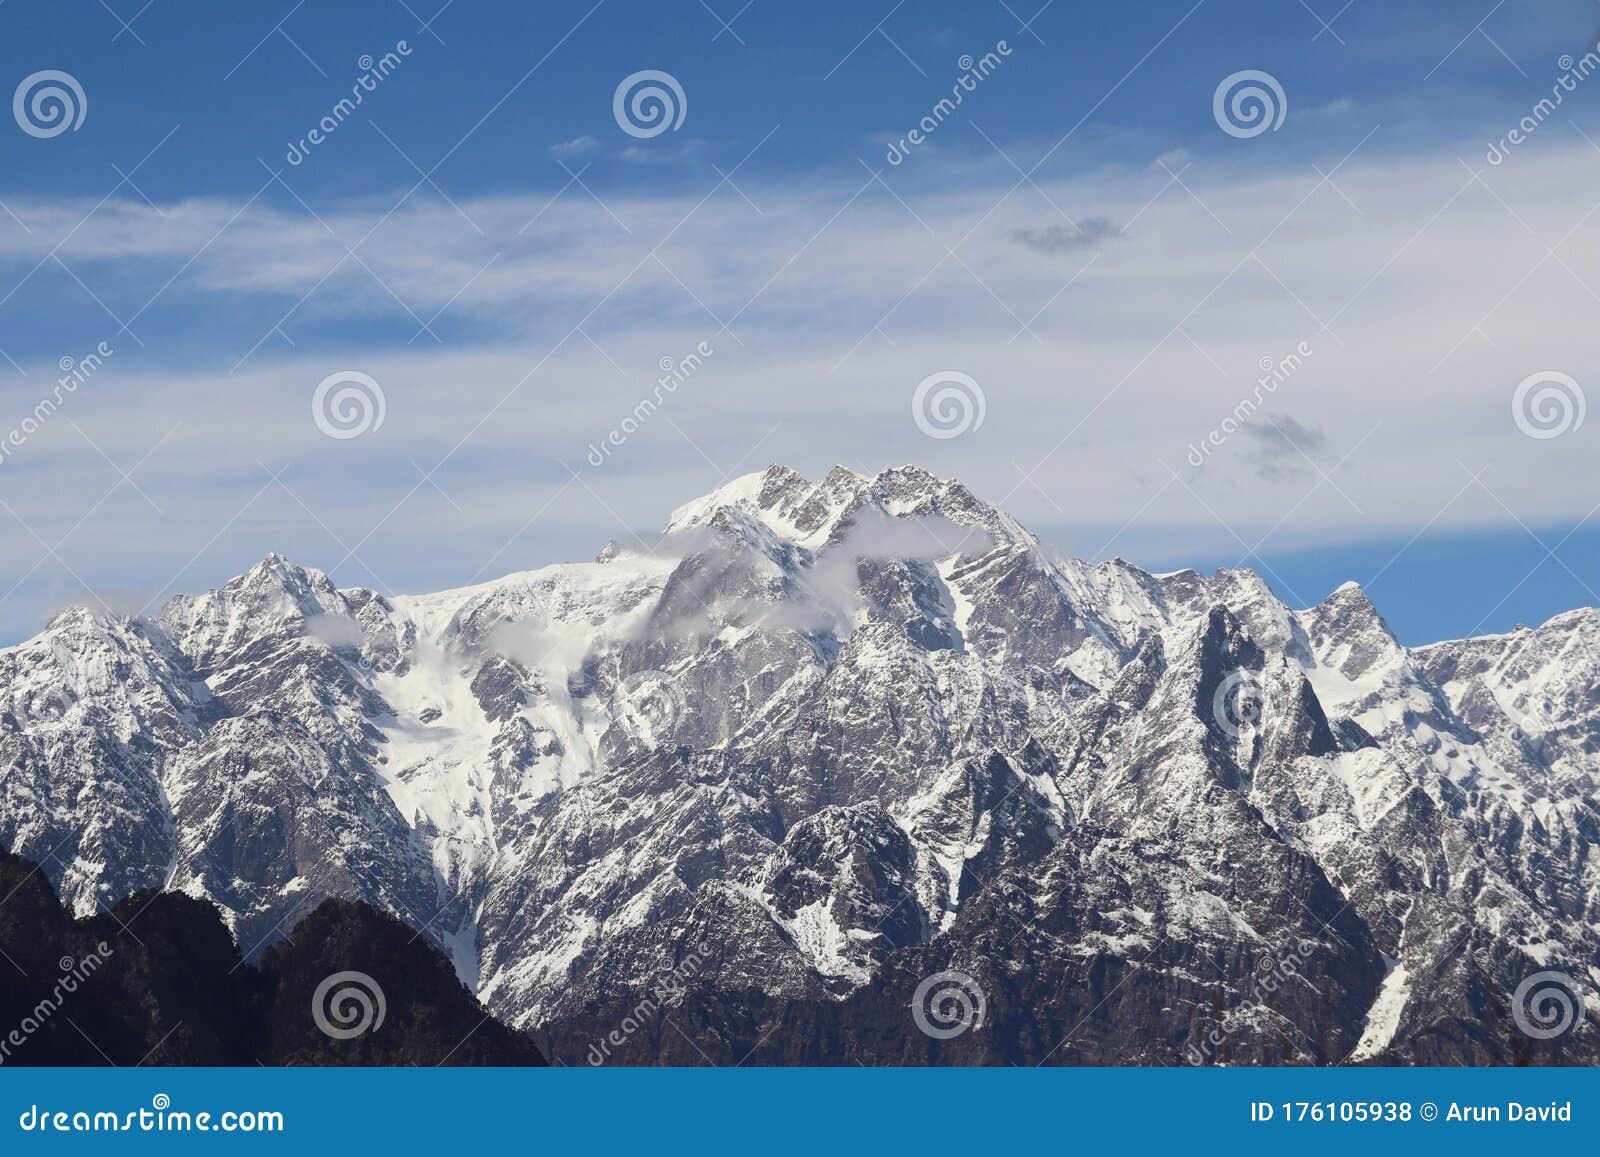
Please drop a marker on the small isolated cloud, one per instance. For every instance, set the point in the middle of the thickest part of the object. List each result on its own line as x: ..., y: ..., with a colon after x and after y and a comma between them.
x: 576, y: 147
x: 663, y: 153
x: 1282, y: 448
x: 334, y: 630
x: 1090, y: 233
x: 875, y: 535
x: 1332, y: 108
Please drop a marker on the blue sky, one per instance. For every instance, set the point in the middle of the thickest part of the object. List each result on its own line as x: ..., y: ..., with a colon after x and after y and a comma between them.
x: 1080, y: 237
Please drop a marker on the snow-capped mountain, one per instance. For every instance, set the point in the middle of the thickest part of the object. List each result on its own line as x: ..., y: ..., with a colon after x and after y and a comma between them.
x: 749, y: 788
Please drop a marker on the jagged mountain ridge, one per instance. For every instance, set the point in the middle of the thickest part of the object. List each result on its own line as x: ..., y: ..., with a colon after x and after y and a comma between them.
x: 828, y: 738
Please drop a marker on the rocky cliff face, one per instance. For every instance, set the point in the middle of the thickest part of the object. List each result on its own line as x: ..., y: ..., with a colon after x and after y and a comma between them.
x: 748, y: 791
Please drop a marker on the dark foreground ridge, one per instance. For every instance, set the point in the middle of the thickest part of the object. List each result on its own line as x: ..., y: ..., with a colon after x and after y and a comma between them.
x: 158, y: 980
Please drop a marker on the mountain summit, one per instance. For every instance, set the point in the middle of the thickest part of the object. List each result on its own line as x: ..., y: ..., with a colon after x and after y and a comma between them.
x: 829, y: 742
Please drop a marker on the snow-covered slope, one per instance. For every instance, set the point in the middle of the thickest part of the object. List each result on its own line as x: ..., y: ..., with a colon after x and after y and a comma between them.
x: 830, y: 738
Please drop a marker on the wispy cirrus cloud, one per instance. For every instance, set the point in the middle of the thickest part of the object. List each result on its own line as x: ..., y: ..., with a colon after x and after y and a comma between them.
x: 547, y: 318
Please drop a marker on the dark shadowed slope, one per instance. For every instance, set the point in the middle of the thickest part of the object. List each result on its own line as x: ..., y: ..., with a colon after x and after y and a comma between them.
x: 157, y: 980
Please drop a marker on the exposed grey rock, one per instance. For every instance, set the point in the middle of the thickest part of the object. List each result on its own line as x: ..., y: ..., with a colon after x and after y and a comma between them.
x: 748, y: 792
